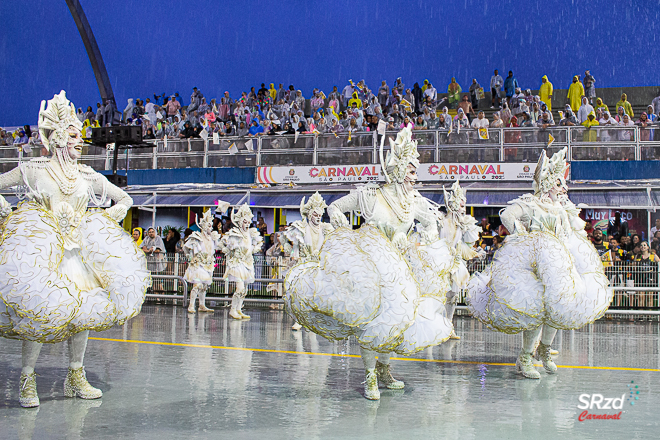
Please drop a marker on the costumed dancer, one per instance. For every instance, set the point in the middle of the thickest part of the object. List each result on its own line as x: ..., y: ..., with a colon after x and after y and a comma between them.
x: 200, y: 247
x: 307, y: 235
x: 461, y: 232
x: 64, y: 270
x: 371, y: 283
x: 239, y: 244
x: 547, y: 275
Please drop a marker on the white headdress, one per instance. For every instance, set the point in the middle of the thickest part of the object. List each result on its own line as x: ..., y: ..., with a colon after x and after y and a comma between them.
x: 206, y: 223
x: 55, y: 119
x: 315, y: 204
x: 403, y: 152
x: 454, y: 198
x: 548, y: 171
x: 243, y: 212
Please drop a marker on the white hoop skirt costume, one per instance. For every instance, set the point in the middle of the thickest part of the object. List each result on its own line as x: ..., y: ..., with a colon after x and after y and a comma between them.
x: 64, y: 270
x: 551, y: 275
x: 363, y: 286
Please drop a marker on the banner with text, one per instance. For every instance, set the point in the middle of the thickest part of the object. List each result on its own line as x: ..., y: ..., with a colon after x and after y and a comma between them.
x: 427, y: 172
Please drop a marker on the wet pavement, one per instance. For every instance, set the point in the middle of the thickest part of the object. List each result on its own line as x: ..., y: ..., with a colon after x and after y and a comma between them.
x: 167, y: 374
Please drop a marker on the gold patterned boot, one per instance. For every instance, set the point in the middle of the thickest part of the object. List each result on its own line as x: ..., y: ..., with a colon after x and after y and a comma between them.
x: 385, y: 377
x: 29, y: 397
x: 525, y: 366
x: 543, y: 354
x: 76, y: 385
x: 371, y: 385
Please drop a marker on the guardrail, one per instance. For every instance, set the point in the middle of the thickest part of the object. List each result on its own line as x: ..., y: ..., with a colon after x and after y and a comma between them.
x: 636, y: 286
x: 517, y: 144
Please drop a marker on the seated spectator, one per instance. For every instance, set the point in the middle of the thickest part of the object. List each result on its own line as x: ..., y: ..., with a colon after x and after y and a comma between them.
x: 430, y: 94
x: 626, y: 135
x: 255, y: 129
x: 21, y: 138
x: 590, y: 135
x: 433, y: 122
x: 569, y: 119
x: 420, y: 123
x: 149, y: 134
x: 600, y: 104
x: 584, y: 110
x: 643, y: 122
x: 497, y: 121
x: 188, y: 131
x: 480, y: 121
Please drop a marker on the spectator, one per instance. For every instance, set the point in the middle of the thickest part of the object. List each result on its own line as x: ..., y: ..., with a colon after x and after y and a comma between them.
x: 619, y: 115
x: 99, y: 114
x: 383, y: 93
x: 600, y: 245
x: 607, y: 120
x: 590, y: 135
x: 137, y: 236
x: 171, y: 240
x: 623, y: 102
x: 516, y: 102
x: 21, y: 138
x: 584, y: 110
x: 655, y: 228
x: 505, y: 114
x: 255, y: 129
x: 496, y: 83
x: 589, y: 86
x: 433, y: 123
x: 575, y: 94
x: 545, y: 92
x: 399, y: 85
x: 430, y: 93
x: 420, y: 123
x: 149, y: 134
x: 651, y: 116
x: 188, y: 131
x: 355, y: 101
x: 569, y: 118
x: 510, y: 85
x: 419, y: 97
x: 466, y: 106
x: 410, y: 97
x: 643, y: 122
x: 626, y: 135
x: 154, y: 247
x: 172, y: 107
x: 454, y: 92
x: 497, y: 122
x: 601, y: 105
x: 656, y: 104
x: 474, y: 90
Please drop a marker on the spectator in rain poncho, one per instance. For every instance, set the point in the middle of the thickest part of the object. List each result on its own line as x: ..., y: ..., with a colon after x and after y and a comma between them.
x: 584, y: 110
x: 607, y: 120
x: 300, y: 100
x: 383, y: 93
x: 517, y: 102
x: 627, y: 108
x: 589, y: 86
x: 454, y: 91
x: 590, y: 135
x: 575, y: 94
x: 80, y: 115
x: 505, y: 114
x: 569, y: 118
x: 601, y: 105
x: 545, y: 91
x: 128, y: 111
x: 643, y: 124
x: 474, y: 87
x: 447, y: 118
x: 626, y: 135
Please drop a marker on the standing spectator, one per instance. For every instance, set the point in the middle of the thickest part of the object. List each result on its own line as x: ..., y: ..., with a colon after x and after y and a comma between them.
x: 620, y: 112
x: 474, y: 88
x: 454, y: 93
x: 626, y: 135
x: 383, y: 94
x: 510, y: 85
x: 410, y: 97
x: 584, y: 110
x: 399, y: 85
x: 623, y: 102
x: 575, y: 94
x: 496, y: 83
x: 466, y: 106
x: 589, y: 86
x: 505, y: 114
x: 607, y: 119
x: 545, y: 92
x: 154, y: 247
x: 171, y: 240
x: 652, y: 120
x: 419, y: 97
x: 656, y: 104
x: 643, y: 123
x: 601, y: 105
x: 99, y: 114
x: 172, y: 107
x: 497, y: 122
x: 517, y: 101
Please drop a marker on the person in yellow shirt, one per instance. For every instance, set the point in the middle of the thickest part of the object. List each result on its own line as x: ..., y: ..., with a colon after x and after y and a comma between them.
x: 590, y: 135
x: 545, y: 92
x: 426, y: 85
x: 355, y: 100
x: 272, y: 92
x: 623, y: 102
x: 575, y: 94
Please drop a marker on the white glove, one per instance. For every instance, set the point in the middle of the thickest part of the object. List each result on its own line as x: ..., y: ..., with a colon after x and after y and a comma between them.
x: 5, y: 208
x: 117, y: 212
x: 338, y: 219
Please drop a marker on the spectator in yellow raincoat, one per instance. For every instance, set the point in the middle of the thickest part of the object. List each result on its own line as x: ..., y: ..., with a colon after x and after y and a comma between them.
x: 623, y: 102
x: 601, y: 104
x: 272, y: 92
x: 355, y: 100
x: 425, y: 86
x: 590, y: 134
x: 545, y: 92
x: 575, y: 94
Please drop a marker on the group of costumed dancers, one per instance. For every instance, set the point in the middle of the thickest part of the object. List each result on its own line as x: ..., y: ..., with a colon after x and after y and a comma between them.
x: 392, y: 284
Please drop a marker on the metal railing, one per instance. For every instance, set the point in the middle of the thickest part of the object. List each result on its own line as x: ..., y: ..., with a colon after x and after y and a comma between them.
x: 517, y: 144
x: 636, y: 286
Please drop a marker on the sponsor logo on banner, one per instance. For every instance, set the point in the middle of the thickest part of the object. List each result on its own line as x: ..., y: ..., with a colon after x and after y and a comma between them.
x: 428, y: 172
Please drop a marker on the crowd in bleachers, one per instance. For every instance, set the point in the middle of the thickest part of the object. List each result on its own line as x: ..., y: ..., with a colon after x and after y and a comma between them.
x: 357, y: 107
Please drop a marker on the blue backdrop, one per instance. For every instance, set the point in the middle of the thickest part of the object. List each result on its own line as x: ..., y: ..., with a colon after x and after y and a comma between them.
x: 155, y: 46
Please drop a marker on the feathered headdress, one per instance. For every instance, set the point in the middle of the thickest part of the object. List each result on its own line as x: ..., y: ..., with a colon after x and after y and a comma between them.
x: 453, y: 199
x: 55, y: 119
x: 315, y: 203
x: 243, y: 211
x: 403, y: 151
x: 548, y: 171
x: 206, y: 223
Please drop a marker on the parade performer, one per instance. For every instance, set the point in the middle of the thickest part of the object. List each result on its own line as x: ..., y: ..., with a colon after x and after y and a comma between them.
x: 307, y: 235
x: 64, y: 270
x: 547, y: 275
x: 200, y: 249
x: 370, y: 283
x: 239, y: 244
x: 461, y: 232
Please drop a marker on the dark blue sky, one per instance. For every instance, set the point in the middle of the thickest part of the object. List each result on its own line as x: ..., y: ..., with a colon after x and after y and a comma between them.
x: 155, y: 46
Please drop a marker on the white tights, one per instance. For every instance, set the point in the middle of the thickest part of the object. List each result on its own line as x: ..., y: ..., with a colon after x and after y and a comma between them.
x: 77, y: 347
x: 239, y: 296
x: 530, y: 337
x: 369, y: 358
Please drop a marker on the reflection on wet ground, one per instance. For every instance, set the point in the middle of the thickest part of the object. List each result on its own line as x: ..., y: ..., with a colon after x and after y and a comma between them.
x: 168, y: 374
